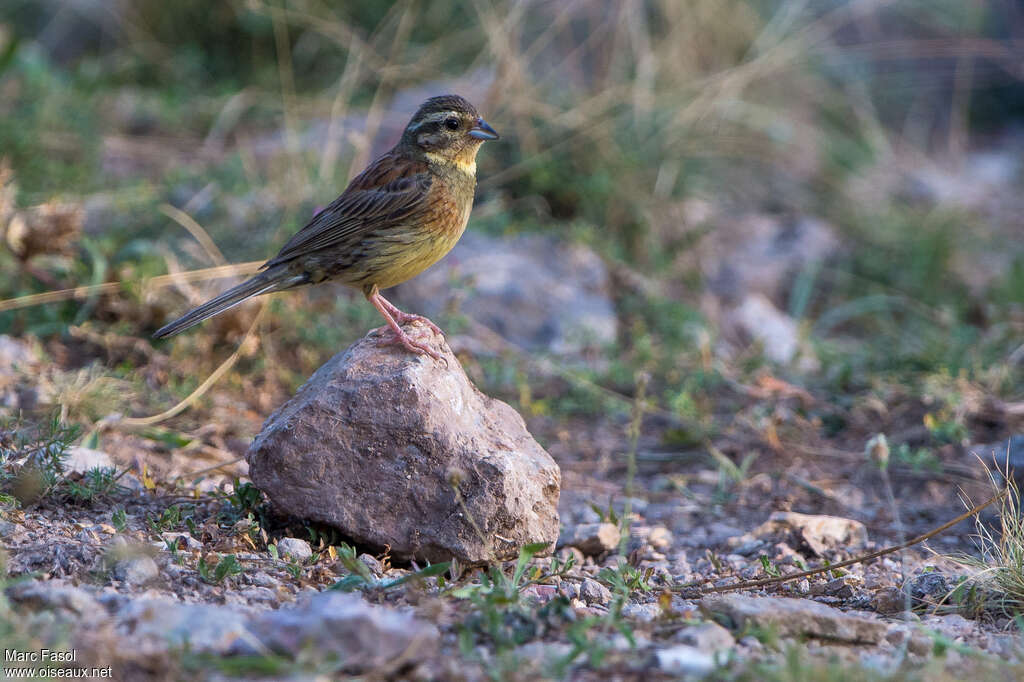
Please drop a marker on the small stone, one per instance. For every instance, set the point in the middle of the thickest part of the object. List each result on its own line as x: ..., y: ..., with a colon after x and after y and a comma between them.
x: 839, y: 588
x: 645, y: 613
x: 683, y: 659
x: 569, y: 589
x: 927, y: 588
x: 294, y: 548
x: 816, y: 533
x: 593, y: 592
x: 794, y: 617
x: 137, y: 570
x: 592, y: 539
x: 261, y: 579
x: 889, y: 600
x: 921, y: 645
x: 708, y: 636
x: 896, y: 636
x: 80, y: 460
x: 372, y: 563
x: 259, y: 595
x: 566, y: 553
x: 180, y: 542
x: 751, y: 642
x: 660, y: 538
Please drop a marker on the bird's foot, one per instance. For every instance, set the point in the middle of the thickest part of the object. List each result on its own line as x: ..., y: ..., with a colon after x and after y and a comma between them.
x: 403, y: 318
x: 398, y: 337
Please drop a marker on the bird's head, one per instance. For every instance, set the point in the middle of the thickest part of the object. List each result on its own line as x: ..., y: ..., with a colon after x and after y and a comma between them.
x: 448, y: 129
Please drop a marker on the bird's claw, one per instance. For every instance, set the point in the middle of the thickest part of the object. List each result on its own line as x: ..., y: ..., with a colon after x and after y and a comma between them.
x: 400, y: 338
x: 404, y: 318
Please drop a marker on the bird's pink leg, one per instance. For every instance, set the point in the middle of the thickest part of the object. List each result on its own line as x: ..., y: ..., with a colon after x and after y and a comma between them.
x: 402, y: 318
x: 399, y: 336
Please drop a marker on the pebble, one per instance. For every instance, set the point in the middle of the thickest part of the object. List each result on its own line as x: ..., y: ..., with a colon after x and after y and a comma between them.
x: 294, y: 548
x: 660, y: 538
x: 372, y: 563
x: 683, y: 659
x: 708, y: 636
x: 136, y: 570
x: 645, y: 613
x: 591, y: 538
x: 593, y: 592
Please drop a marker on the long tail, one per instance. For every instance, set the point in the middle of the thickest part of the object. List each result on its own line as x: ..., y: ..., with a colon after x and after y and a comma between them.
x: 274, y: 279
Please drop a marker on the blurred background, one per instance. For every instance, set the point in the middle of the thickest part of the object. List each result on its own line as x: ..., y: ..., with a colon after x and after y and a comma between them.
x: 773, y: 228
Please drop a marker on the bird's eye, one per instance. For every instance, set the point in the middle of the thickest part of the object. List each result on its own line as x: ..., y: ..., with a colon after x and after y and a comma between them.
x: 451, y: 123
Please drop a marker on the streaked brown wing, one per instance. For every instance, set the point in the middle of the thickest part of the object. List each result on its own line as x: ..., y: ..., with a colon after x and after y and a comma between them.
x: 387, y: 192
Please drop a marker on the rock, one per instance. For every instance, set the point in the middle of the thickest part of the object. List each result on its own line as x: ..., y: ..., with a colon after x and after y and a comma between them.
x: 536, y: 292
x: 379, y: 440
x: 569, y: 589
x: 791, y: 617
x: 1002, y: 456
x: 759, y: 253
x: 294, y: 548
x: 889, y: 600
x: 683, y: 659
x: 757, y: 319
x: 372, y: 563
x: 591, y: 538
x: 816, y: 533
x: 927, y: 588
x: 708, y: 636
x: 593, y: 592
x: 155, y: 625
x: 137, y: 570
x: 344, y: 626
x: 52, y: 228
x: 258, y: 595
x: 660, y: 538
x: 840, y: 588
x: 179, y: 541
x: 645, y: 613
x: 81, y: 460
x: 14, y: 354
x: 56, y: 595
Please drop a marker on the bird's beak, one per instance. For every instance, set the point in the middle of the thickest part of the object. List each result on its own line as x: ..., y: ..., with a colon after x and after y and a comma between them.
x: 482, y: 131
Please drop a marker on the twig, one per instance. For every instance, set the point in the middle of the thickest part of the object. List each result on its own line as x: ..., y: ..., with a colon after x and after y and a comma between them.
x: 751, y: 584
x: 203, y: 387
x: 114, y: 287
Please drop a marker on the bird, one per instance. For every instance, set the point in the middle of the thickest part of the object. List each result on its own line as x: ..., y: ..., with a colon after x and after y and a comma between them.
x: 398, y: 217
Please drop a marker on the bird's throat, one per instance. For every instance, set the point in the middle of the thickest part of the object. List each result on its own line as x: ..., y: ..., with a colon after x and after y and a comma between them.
x: 465, y: 163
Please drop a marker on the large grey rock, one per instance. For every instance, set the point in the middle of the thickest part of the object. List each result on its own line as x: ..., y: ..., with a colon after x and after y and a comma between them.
x: 377, y: 441
x: 58, y: 596
x: 793, y: 618
x: 758, y: 253
x: 536, y: 292
x: 361, y: 636
x: 155, y: 625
